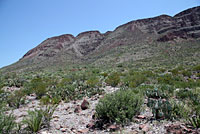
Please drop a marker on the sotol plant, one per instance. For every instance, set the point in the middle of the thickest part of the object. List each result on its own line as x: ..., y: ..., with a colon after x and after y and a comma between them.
x: 37, y: 119
x: 7, y: 123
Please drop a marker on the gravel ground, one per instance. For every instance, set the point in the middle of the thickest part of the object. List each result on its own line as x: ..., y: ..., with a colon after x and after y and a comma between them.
x: 67, y: 121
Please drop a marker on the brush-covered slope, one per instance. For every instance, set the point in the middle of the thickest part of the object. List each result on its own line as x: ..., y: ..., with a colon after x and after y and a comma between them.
x: 135, y: 41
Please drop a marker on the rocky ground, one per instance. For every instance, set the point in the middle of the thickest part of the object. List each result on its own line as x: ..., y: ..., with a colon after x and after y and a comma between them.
x: 76, y: 118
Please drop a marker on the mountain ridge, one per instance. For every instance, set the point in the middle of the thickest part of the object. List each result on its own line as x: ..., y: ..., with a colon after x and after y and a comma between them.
x: 67, y: 48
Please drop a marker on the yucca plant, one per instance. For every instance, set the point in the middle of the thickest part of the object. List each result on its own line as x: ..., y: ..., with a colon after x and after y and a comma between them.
x: 194, y: 121
x: 7, y: 123
x: 38, y: 119
x: 47, y: 114
x: 34, y: 120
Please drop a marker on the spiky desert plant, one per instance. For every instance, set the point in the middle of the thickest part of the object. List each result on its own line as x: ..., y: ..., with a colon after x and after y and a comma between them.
x: 38, y: 119
x: 34, y: 120
x: 7, y: 123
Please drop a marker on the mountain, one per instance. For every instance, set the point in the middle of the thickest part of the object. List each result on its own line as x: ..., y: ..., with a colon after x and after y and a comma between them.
x: 135, y: 41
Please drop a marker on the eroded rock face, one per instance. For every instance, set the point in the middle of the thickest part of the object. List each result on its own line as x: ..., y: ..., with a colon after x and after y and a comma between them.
x: 51, y: 46
x: 185, y: 25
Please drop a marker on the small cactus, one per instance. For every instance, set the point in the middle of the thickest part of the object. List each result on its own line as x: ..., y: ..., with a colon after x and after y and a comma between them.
x: 161, y: 108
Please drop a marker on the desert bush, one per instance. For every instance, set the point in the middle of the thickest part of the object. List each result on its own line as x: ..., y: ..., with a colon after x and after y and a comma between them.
x: 93, y: 82
x: 167, y: 89
x: 4, y: 96
x: 175, y: 71
x: 104, y: 74
x: 196, y: 68
x: 166, y: 79
x: 65, y: 81
x: 1, y: 84
x: 186, y: 73
x: 179, y: 110
x: 14, y: 80
x: 113, y: 79
x: 119, y: 107
x: 192, y: 99
x: 46, y: 100
x: 55, y: 100
x: 16, y: 99
x: 134, y: 79
x: 184, y: 94
x: 38, y: 86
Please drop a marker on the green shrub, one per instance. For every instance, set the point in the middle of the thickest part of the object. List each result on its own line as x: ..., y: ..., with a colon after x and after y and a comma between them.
x: 196, y: 68
x: 184, y: 94
x: 167, y: 89
x: 113, y: 79
x: 192, y: 99
x: 38, y: 86
x: 134, y: 79
x: 93, y: 82
x: 4, y: 96
x: 166, y: 79
x: 179, y: 110
x: 16, y: 99
x: 119, y: 107
x: 186, y: 73
x: 55, y: 100
x: 45, y: 100
x: 104, y: 74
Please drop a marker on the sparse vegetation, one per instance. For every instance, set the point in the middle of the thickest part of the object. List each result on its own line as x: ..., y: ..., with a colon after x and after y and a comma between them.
x: 113, y: 79
x: 177, y: 97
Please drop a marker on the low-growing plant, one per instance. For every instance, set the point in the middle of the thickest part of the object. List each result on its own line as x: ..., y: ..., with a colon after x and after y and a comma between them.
x: 93, y: 82
x: 48, y: 114
x: 119, y: 107
x: 194, y: 120
x: 38, y: 86
x: 4, y: 96
x: 16, y: 99
x: 166, y: 79
x: 161, y: 108
x: 38, y: 119
x: 45, y: 100
x: 7, y: 123
x: 186, y: 73
x: 134, y: 79
x: 113, y: 79
x: 196, y: 68
x: 34, y: 120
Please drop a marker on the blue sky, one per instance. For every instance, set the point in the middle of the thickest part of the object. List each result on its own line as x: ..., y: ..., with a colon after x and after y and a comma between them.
x: 26, y: 23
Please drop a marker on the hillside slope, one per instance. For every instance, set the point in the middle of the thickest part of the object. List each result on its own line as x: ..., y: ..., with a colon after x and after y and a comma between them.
x: 134, y: 41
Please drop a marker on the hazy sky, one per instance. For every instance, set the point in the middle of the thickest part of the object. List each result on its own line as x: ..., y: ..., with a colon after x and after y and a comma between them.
x: 26, y: 23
